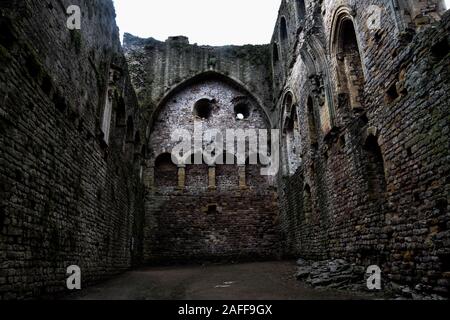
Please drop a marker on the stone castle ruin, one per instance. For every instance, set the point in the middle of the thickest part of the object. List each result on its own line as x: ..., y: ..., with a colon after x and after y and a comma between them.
x: 358, y: 90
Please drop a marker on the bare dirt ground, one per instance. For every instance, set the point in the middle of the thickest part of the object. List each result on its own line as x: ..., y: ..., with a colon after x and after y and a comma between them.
x: 250, y: 281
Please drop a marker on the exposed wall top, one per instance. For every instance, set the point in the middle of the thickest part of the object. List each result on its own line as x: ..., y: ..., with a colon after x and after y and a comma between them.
x: 158, y: 67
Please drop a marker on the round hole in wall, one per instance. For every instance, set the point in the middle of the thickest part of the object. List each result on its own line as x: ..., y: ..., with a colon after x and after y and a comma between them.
x: 203, y: 108
x: 241, y: 111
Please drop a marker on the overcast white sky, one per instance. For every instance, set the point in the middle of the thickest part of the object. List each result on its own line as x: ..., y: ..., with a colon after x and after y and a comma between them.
x: 211, y: 22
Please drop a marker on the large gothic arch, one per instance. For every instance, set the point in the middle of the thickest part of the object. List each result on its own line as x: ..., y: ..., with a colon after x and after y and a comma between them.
x: 208, y: 75
x: 342, y: 15
x: 318, y: 66
x: 208, y: 204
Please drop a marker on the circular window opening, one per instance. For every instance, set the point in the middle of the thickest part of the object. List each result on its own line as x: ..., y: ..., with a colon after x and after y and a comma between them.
x: 241, y: 111
x: 203, y: 108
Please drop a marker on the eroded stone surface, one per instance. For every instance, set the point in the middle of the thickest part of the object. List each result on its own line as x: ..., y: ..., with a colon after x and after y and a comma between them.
x: 210, y: 210
x: 363, y: 117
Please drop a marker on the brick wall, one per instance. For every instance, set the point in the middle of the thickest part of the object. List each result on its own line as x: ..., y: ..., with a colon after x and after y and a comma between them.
x: 207, y: 211
x: 379, y: 174
x: 214, y: 226
x: 65, y: 196
x: 365, y: 166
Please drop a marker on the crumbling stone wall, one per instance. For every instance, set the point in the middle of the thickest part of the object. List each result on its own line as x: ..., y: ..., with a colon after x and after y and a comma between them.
x: 158, y: 67
x: 373, y: 184
x: 207, y: 211
x: 362, y: 109
x: 66, y: 197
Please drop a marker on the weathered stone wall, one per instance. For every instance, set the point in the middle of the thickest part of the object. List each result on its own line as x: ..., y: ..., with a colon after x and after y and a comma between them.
x: 364, y: 121
x: 158, y: 67
x: 241, y: 226
x: 208, y: 211
x: 66, y: 197
x: 373, y: 184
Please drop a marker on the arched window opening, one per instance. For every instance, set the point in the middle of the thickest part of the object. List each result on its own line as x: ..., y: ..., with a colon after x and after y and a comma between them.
x: 203, y: 109
x: 294, y: 119
x: 291, y: 135
x: 137, y: 140
x: 275, y: 54
x: 312, y: 124
x: 107, y: 114
x: 288, y: 101
x: 130, y: 129
x: 293, y: 142
x: 375, y: 169
x: 242, y: 111
x: 283, y: 29
x: 166, y: 172
x: 301, y: 9
x: 350, y: 70
x: 445, y: 5
x: 137, y: 147
x: 144, y: 152
x: 121, y: 113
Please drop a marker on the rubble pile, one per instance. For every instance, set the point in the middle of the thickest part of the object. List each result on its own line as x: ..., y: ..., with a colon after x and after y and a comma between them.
x: 339, y: 274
